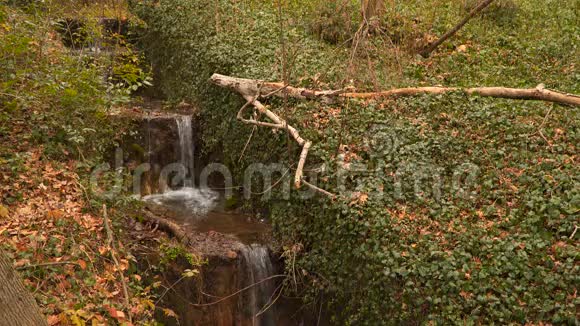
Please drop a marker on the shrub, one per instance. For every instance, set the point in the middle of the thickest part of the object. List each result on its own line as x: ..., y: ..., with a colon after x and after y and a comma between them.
x: 334, y: 22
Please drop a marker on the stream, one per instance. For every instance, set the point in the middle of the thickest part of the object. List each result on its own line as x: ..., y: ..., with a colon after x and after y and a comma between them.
x: 200, y: 211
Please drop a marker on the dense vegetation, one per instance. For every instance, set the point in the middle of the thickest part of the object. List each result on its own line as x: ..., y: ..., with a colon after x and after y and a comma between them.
x: 462, y: 209
x: 55, y: 127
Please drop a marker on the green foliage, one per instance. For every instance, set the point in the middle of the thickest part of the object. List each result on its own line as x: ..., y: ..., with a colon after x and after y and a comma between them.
x: 405, y: 244
x: 334, y: 22
x: 59, y: 97
x: 500, y: 254
x: 202, y: 37
x: 170, y: 252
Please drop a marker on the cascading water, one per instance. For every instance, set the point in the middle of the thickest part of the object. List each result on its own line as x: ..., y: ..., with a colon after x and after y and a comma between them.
x: 186, y: 147
x: 255, y: 306
x: 187, y: 198
x: 257, y: 302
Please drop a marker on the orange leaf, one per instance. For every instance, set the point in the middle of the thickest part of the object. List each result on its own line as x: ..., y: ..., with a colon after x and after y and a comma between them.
x: 55, y: 214
x: 117, y: 314
x: 53, y: 320
x: 82, y: 263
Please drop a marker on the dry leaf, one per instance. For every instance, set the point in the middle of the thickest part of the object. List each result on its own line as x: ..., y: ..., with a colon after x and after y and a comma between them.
x: 53, y: 320
x: 3, y: 212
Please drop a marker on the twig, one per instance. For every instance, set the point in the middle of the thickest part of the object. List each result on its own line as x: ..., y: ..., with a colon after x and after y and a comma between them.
x: 320, y: 309
x: 270, y: 301
x: 574, y: 233
x: 313, y: 187
x: 247, y: 143
x: 111, y: 243
x: 48, y: 264
x: 237, y: 292
x: 169, y: 288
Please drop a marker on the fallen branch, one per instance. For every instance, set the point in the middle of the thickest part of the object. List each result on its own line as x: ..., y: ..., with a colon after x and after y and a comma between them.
x: 427, y: 51
x: 54, y: 263
x: 253, y: 87
x: 249, y: 89
x: 111, y: 243
x: 168, y: 226
x: 539, y: 93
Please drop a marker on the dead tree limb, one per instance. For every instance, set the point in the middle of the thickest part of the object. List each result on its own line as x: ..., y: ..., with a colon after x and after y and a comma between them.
x: 168, y: 226
x: 431, y: 47
x: 539, y: 93
x: 111, y: 243
x: 249, y: 89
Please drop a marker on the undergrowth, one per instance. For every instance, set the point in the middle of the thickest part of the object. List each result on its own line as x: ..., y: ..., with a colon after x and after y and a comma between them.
x: 458, y: 210
x: 55, y: 128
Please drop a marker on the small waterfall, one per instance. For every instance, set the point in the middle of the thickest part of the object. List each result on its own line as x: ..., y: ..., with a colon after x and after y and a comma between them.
x: 186, y: 147
x: 258, y: 266
x: 187, y: 198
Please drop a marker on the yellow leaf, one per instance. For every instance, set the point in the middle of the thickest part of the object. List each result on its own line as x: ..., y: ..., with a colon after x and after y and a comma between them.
x: 77, y: 321
x: 149, y: 303
x: 169, y: 313
x: 3, y: 212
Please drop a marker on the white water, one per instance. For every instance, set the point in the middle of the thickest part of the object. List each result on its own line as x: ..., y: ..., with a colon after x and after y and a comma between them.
x: 186, y: 147
x: 259, y: 267
x: 196, y: 201
x: 199, y: 202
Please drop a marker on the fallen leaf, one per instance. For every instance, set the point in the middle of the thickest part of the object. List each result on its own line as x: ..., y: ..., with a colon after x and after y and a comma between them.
x: 53, y: 320
x: 117, y: 314
x: 3, y: 212
x: 169, y: 313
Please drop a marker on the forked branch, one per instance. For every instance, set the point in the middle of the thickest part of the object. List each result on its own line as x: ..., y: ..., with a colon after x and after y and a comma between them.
x: 252, y: 90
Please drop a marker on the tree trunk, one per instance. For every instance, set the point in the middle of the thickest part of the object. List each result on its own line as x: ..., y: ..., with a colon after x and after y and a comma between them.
x: 17, y: 306
x: 372, y: 8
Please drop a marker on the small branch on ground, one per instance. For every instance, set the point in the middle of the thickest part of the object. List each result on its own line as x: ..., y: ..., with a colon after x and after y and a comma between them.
x: 111, y: 243
x: 54, y: 263
x: 167, y: 226
x: 425, y: 53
